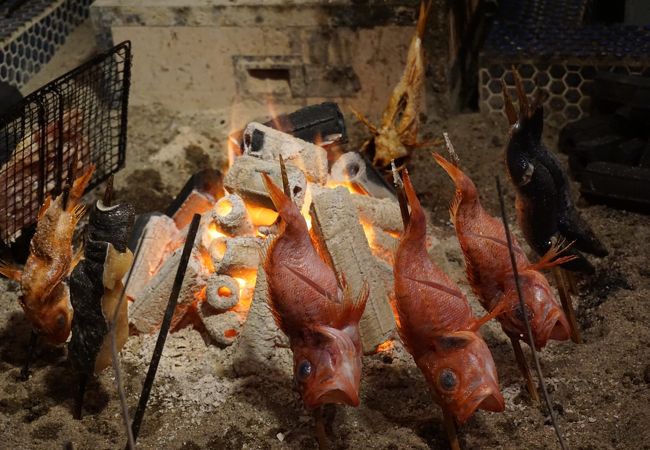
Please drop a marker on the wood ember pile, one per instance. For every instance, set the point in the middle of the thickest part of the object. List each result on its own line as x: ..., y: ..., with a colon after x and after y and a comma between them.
x: 225, y: 291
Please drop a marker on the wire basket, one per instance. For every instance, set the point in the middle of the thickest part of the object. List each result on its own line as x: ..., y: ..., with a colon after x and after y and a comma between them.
x: 74, y: 121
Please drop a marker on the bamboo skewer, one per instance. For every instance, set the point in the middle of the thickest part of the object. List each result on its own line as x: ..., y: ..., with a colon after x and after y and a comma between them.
x: 523, y: 367
x: 319, y: 428
x: 564, y: 288
x: 450, y: 427
x: 31, y: 348
x: 529, y: 332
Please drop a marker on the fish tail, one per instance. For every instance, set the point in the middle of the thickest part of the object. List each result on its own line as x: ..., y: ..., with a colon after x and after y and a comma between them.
x: 425, y: 7
x: 287, y: 209
x: 466, y: 193
x: 417, y: 226
x: 10, y: 271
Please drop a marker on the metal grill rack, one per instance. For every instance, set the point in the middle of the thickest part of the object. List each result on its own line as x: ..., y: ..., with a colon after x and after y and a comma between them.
x: 555, y: 46
x: 73, y: 121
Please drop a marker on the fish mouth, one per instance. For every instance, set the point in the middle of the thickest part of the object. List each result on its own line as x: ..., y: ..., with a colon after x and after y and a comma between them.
x: 556, y: 327
x: 485, y: 397
x: 339, y: 391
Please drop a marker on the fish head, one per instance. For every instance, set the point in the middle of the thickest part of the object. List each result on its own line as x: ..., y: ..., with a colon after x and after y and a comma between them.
x: 546, y: 317
x: 327, y: 366
x: 389, y: 147
x: 52, y: 320
x: 461, y: 374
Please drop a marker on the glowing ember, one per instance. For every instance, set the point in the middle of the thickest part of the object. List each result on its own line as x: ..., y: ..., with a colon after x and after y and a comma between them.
x: 224, y: 206
x: 224, y: 291
x: 353, y: 188
x: 385, y: 346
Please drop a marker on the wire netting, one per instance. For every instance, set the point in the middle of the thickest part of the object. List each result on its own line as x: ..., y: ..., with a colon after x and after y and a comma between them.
x: 59, y: 130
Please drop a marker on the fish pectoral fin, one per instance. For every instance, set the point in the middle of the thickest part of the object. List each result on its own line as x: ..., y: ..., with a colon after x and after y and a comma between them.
x: 551, y: 258
x: 10, y: 271
x: 499, y: 308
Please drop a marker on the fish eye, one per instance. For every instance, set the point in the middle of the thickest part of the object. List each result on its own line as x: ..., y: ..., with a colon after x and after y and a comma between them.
x: 520, y: 315
x: 304, y: 370
x: 447, y: 379
x: 60, y: 321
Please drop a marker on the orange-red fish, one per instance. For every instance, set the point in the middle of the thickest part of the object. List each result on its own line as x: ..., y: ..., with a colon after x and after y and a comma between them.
x: 489, y: 271
x: 397, y: 136
x: 320, y: 318
x: 438, y: 328
x: 45, y: 296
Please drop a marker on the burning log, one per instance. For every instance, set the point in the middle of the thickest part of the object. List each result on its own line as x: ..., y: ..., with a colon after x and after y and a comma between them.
x: 268, y: 144
x: 382, y: 244
x: 223, y: 328
x: 197, y: 196
x: 354, y: 168
x: 341, y: 238
x: 237, y: 256
x: 147, y: 311
x: 159, y: 238
x: 382, y: 213
x: 244, y: 179
x: 222, y: 293
x: 321, y: 124
x: 231, y: 217
x: 256, y: 349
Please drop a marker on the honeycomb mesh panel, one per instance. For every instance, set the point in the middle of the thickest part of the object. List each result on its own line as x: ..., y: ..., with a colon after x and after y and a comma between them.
x: 58, y: 131
x: 31, y: 34
x: 552, y: 45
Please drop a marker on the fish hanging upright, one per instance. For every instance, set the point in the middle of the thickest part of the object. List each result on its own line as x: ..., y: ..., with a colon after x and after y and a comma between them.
x: 483, y: 241
x: 319, y: 318
x: 397, y: 136
x: 45, y: 296
x: 438, y: 328
x: 545, y: 210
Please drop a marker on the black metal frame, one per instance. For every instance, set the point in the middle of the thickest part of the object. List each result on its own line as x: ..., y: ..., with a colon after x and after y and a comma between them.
x: 80, y: 116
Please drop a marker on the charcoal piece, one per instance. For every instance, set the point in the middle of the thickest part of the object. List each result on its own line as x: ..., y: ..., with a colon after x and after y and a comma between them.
x: 355, y: 168
x: 622, y: 89
x: 584, y: 129
x: 618, y: 183
x: 321, y: 124
x: 600, y: 148
x: 629, y: 152
x: 645, y: 158
x: 107, y: 225
x: 208, y: 182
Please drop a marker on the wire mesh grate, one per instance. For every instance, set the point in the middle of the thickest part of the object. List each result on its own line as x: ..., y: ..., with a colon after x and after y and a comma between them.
x: 74, y: 121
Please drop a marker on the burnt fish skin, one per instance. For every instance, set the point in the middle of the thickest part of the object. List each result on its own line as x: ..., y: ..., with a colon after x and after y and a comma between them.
x: 545, y: 211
